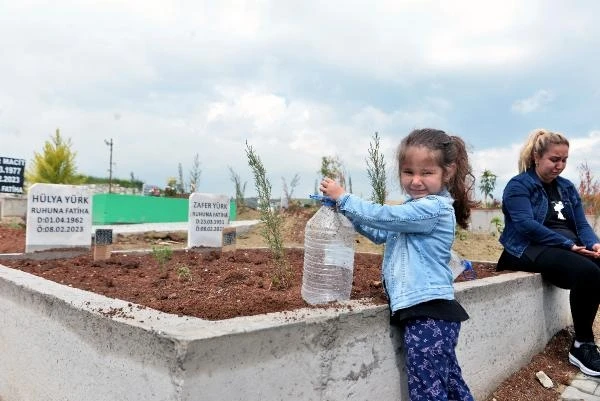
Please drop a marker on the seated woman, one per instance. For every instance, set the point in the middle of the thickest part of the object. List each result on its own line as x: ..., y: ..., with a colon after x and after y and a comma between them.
x: 545, y: 231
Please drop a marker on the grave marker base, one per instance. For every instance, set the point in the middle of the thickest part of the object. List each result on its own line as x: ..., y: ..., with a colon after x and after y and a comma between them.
x: 102, y: 252
x: 208, y: 253
x: 229, y: 238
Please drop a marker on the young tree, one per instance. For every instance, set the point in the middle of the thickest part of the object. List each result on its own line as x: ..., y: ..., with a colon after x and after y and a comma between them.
x: 332, y: 167
x: 195, y: 173
x: 589, y: 191
x: 376, y: 171
x: 134, y: 182
x: 288, y: 192
x: 273, y: 223
x: 487, y: 184
x: 239, y: 189
x: 56, y: 163
x: 180, y: 184
x: 171, y: 188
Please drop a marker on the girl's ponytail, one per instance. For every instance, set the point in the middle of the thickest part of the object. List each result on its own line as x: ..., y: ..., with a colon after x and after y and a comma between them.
x: 461, y: 183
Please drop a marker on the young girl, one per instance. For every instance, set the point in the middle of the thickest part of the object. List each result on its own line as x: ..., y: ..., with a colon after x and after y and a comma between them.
x: 418, y: 234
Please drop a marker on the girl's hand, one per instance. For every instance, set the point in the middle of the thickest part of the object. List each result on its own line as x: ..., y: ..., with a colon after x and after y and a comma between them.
x: 331, y: 189
x: 581, y: 250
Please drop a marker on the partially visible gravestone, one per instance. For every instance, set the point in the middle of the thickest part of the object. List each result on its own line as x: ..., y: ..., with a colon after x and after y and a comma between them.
x: 103, y: 238
x: 58, y: 216
x: 229, y: 238
x: 208, y: 215
x: 12, y: 175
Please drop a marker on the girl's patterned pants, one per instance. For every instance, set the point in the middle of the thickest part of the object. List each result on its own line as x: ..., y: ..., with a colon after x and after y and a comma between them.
x: 431, y: 364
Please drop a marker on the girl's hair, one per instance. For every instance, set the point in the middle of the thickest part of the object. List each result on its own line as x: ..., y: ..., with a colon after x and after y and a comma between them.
x: 537, y: 144
x: 447, y: 150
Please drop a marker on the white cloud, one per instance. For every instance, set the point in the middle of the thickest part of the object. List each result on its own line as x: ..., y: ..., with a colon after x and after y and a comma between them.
x: 298, y: 80
x: 533, y: 103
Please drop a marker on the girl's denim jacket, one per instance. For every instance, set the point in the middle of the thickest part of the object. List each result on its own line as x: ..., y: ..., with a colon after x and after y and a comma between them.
x: 525, y: 204
x: 418, y: 236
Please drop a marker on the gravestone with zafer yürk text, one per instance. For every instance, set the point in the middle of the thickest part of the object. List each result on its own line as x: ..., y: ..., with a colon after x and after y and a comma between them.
x: 58, y: 217
x: 208, y: 214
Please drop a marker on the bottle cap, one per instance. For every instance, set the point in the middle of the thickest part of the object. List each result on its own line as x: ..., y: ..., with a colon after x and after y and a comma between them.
x: 469, y: 272
x: 325, y: 200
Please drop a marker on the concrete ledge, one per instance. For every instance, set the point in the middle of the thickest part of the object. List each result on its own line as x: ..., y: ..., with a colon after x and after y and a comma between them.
x: 61, y: 343
x: 13, y: 206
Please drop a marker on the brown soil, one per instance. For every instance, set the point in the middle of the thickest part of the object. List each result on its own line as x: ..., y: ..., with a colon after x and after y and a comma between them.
x: 206, y: 284
x: 213, y: 285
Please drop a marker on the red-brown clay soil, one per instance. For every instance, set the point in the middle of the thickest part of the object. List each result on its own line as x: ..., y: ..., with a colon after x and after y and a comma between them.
x: 209, y: 285
x: 12, y: 238
x: 235, y: 283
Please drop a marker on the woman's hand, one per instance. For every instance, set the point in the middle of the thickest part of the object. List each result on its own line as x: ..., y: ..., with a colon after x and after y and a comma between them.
x: 581, y: 250
x: 331, y: 189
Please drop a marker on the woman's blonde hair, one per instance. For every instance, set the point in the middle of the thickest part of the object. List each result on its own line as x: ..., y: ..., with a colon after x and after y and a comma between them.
x: 537, y: 144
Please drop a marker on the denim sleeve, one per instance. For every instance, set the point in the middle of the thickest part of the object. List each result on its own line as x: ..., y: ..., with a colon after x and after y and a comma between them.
x: 516, y: 201
x: 373, y: 234
x: 412, y: 217
x: 585, y: 232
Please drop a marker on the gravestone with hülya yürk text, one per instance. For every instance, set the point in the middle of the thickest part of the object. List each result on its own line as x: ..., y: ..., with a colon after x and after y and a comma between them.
x: 58, y: 217
x: 208, y: 214
x: 12, y: 175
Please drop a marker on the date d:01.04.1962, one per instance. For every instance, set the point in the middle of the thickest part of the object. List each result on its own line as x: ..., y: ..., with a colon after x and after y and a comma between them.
x: 64, y: 220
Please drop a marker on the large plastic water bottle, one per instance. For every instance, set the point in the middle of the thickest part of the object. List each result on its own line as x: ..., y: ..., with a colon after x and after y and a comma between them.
x: 328, y: 255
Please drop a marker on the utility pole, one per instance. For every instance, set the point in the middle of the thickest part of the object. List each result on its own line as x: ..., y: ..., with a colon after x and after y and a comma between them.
x: 110, y: 144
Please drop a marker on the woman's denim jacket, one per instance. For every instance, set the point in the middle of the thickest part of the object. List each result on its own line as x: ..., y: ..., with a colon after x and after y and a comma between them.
x: 418, y: 235
x: 525, y: 203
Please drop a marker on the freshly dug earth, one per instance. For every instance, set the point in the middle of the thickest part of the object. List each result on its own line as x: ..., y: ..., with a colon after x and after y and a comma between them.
x: 214, y: 285
x: 206, y: 284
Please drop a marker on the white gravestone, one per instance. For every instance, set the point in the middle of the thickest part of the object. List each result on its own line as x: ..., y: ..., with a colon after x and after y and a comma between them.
x: 58, y: 216
x: 208, y: 214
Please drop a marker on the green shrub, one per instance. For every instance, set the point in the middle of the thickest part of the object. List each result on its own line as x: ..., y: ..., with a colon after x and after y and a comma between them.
x: 162, y: 254
x: 184, y: 273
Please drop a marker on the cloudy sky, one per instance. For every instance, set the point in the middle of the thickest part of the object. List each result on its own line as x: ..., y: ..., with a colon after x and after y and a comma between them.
x: 297, y: 80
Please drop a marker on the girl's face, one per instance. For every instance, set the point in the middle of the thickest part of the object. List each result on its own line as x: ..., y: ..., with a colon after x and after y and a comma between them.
x: 420, y: 173
x: 552, y: 162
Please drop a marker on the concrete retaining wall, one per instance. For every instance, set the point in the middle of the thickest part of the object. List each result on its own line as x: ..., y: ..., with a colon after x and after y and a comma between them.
x: 13, y: 207
x: 57, y: 343
x: 481, y: 220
